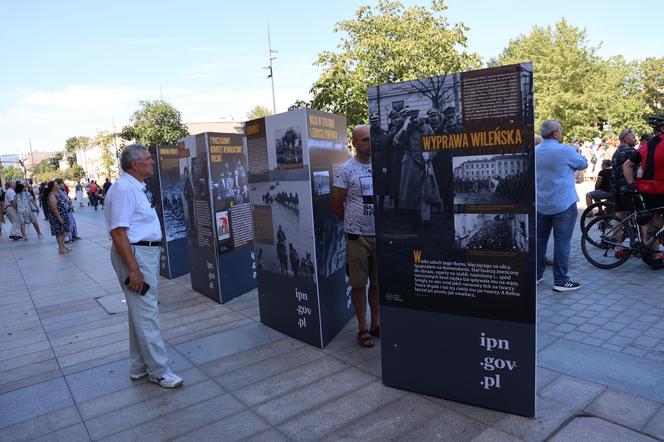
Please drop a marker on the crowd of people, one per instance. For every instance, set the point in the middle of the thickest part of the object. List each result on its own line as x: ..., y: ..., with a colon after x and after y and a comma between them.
x: 20, y: 203
x: 630, y: 173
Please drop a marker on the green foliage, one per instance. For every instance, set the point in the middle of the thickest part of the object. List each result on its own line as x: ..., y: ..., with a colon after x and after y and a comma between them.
x: 652, y: 77
x: 72, y: 144
x: 155, y: 123
x: 258, y: 111
x: 74, y: 173
x: 59, y: 155
x: 386, y: 44
x: 13, y: 173
x: 44, y: 166
x: 576, y: 86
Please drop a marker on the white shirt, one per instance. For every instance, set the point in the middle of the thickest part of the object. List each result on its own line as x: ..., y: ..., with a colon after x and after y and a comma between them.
x: 10, y: 196
x: 127, y: 205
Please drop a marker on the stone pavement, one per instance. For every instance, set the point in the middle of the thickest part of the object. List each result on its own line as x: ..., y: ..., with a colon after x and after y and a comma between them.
x: 64, y: 363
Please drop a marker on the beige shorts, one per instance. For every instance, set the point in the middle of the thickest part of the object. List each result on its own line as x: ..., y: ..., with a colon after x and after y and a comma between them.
x: 361, y: 260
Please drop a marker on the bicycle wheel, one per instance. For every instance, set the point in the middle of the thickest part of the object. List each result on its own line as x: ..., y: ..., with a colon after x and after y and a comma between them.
x: 606, y: 206
x: 600, y: 239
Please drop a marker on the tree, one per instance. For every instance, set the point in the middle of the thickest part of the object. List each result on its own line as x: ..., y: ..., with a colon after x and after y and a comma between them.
x: 13, y: 173
x: 574, y: 85
x: 258, y: 111
x: 652, y: 76
x: 388, y: 44
x: 108, y: 154
x: 155, y: 123
x: 74, y: 173
x: 72, y: 144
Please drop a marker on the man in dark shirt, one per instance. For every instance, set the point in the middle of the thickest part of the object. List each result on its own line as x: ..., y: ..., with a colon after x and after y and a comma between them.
x: 624, y: 202
x: 602, y: 186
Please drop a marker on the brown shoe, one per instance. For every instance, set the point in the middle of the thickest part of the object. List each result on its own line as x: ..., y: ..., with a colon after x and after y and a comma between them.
x: 364, y: 339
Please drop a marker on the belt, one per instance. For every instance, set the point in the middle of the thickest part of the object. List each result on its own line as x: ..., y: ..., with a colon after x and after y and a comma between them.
x: 146, y: 243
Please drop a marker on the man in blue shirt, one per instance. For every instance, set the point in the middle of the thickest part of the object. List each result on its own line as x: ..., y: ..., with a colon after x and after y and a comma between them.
x: 556, y: 164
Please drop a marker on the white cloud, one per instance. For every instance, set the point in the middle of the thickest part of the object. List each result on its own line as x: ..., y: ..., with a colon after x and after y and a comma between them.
x: 49, y: 117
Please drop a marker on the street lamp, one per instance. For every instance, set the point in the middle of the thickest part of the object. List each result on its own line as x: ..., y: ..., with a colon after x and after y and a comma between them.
x: 271, y: 74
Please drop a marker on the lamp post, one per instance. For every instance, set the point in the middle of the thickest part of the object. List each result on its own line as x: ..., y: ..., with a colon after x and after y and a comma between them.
x: 271, y: 74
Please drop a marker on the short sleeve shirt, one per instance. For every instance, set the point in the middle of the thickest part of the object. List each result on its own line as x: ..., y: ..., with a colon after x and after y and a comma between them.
x: 606, y: 174
x: 128, y: 205
x: 10, y: 196
x: 356, y: 178
x: 622, y: 154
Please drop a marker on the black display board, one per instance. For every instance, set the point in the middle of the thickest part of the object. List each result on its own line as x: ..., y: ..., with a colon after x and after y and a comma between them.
x: 165, y: 188
x: 300, y: 246
x: 218, y: 215
x: 453, y: 161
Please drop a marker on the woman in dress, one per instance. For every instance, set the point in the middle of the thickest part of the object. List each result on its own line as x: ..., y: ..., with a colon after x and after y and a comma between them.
x: 26, y: 208
x: 79, y: 194
x: 58, y: 216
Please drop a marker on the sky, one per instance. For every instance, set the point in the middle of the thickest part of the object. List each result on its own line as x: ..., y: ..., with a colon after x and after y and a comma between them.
x: 71, y: 68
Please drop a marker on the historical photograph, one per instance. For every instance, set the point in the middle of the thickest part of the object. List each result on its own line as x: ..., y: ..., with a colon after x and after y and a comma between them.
x: 289, y: 148
x: 490, y: 231
x: 187, y: 190
x: 172, y: 199
x: 229, y: 181
x: 290, y: 204
x: 321, y: 182
x: 490, y: 179
x: 330, y: 244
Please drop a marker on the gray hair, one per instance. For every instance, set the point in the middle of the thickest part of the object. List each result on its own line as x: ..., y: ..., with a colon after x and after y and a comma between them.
x: 360, y: 126
x: 130, y: 153
x: 549, y: 127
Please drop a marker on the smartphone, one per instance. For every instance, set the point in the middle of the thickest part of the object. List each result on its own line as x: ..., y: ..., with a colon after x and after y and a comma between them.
x: 144, y: 289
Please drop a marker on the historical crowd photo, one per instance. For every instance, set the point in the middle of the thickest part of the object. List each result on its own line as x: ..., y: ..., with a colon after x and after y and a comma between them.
x: 491, y: 231
x: 489, y: 179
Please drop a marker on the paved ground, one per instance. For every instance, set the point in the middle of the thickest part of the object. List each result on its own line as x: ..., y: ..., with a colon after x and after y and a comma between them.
x: 63, y: 363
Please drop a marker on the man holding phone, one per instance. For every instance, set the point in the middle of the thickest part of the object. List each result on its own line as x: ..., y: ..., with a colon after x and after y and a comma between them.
x: 136, y: 234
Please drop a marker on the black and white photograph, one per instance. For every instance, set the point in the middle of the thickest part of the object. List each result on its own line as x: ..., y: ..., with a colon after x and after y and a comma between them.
x: 187, y: 188
x: 490, y: 179
x: 292, y: 254
x: 330, y: 244
x: 288, y: 144
x: 491, y: 231
x: 172, y: 199
x: 229, y: 181
x: 321, y: 182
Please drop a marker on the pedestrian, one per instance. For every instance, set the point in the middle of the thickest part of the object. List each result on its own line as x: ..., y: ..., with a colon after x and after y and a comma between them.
x: 79, y: 194
x: 352, y: 201
x: 10, y: 210
x: 58, y: 216
x: 136, y: 234
x: 555, y: 165
x: 72, y: 234
x: 27, y: 209
x: 92, y: 194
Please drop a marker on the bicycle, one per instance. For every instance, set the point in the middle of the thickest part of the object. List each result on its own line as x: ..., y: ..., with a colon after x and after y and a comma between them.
x: 615, y: 240
x: 607, y: 206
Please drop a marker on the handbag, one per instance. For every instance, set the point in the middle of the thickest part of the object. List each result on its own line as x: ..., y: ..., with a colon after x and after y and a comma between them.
x: 33, y: 207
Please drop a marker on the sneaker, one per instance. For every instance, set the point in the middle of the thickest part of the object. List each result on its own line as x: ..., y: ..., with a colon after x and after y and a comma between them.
x: 540, y: 280
x: 137, y: 376
x: 567, y: 287
x: 167, y: 380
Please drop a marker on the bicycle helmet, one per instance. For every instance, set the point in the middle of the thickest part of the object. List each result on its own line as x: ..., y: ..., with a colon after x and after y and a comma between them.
x: 655, y: 121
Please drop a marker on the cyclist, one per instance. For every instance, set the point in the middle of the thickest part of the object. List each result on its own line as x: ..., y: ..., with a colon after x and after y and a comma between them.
x: 651, y: 182
x: 602, y: 187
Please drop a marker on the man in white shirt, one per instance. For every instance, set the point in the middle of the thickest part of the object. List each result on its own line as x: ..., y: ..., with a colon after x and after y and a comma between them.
x: 10, y: 209
x: 136, y: 233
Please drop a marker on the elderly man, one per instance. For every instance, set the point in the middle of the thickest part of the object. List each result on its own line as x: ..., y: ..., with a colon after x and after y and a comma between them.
x: 136, y: 233
x: 556, y: 164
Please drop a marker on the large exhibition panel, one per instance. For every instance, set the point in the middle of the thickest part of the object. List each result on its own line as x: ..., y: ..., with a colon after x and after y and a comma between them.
x: 453, y: 162
x: 218, y: 215
x: 165, y: 187
x: 299, y: 243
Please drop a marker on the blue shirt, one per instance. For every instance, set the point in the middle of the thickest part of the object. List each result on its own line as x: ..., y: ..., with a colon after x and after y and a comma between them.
x: 555, y: 164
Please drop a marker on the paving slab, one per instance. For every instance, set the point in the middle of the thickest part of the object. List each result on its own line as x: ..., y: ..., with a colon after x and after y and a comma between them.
x: 236, y: 427
x: 622, y: 372
x: 42, y: 425
x: 226, y: 343
x: 35, y: 400
x: 656, y: 425
x: 113, y: 304
x: 592, y: 429
x: 624, y: 408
